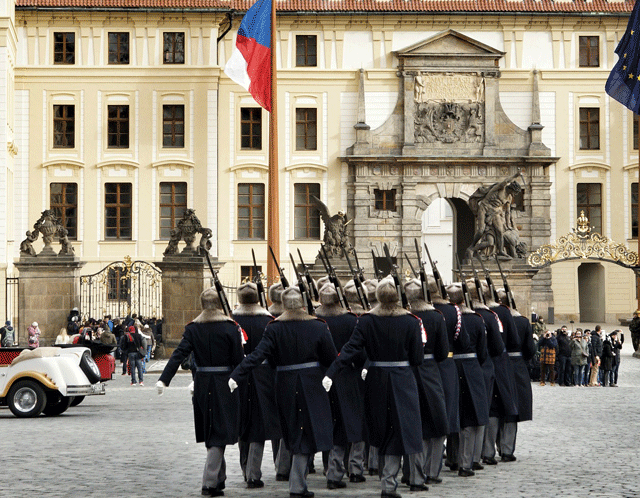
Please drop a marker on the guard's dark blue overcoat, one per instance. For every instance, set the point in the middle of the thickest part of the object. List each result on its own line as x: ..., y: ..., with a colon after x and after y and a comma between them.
x: 526, y: 349
x: 474, y: 402
x: 392, y: 405
x: 259, y: 419
x: 448, y: 369
x: 215, y: 409
x: 502, y: 399
x: 303, y: 404
x: 433, y: 408
x: 346, y: 396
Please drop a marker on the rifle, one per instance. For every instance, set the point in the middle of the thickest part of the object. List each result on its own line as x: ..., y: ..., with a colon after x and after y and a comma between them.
x: 396, y: 279
x: 283, y: 279
x: 436, y: 274
x: 476, y: 281
x: 489, y: 281
x: 303, y: 289
x: 331, y: 273
x: 411, y: 266
x: 313, y: 290
x: 423, y: 274
x: 358, y: 267
x: 257, y: 278
x: 219, y: 289
x: 463, y: 281
x: 362, y: 295
x: 507, y: 289
x: 376, y: 270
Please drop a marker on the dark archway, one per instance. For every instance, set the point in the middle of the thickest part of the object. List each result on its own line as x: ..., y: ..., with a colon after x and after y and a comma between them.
x: 465, y: 224
x: 591, y: 292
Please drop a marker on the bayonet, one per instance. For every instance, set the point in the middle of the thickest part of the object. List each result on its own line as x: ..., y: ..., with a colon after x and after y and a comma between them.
x: 362, y: 295
x: 396, y: 279
x: 303, y: 289
x: 257, y: 278
x: 436, y: 274
x: 283, y: 279
x: 463, y: 281
x: 476, y: 281
x: 333, y: 278
x: 313, y: 290
x: 423, y: 274
x: 507, y: 289
x: 224, y: 302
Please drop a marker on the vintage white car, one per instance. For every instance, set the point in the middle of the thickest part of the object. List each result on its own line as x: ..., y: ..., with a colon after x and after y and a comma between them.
x: 47, y: 379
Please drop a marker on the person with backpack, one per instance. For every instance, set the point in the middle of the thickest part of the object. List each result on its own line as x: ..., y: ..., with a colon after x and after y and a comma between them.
x: 6, y: 335
x: 131, y: 348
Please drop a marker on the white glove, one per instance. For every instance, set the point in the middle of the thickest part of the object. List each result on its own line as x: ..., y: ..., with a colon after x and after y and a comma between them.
x: 191, y: 388
x: 327, y: 383
x: 232, y: 384
x: 160, y: 386
x: 364, y: 373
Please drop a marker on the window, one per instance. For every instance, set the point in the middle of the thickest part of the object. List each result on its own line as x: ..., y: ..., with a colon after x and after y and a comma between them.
x: 589, y: 128
x: 247, y: 273
x: 251, y: 211
x: 118, y: 48
x: 589, y: 48
x: 251, y: 128
x: 385, y: 199
x: 117, y: 204
x: 306, y: 50
x: 64, y: 48
x: 63, y: 127
x: 173, y: 203
x: 173, y: 126
x: 306, y: 129
x: 63, y: 199
x: 634, y: 210
x: 118, y: 127
x: 173, y: 52
x: 306, y: 218
x: 590, y: 201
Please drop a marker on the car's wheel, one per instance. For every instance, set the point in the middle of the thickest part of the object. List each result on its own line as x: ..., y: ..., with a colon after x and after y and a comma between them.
x: 90, y: 368
x: 26, y: 398
x: 56, y: 403
x: 77, y: 400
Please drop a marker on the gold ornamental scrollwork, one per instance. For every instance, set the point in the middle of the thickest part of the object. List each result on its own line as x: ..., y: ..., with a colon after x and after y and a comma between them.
x: 582, y: 243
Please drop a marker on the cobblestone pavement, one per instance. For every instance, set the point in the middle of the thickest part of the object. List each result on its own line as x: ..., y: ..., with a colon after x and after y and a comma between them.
x: 131, y: 442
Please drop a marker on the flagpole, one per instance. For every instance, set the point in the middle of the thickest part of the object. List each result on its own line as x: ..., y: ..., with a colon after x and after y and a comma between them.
x: 273, y: 203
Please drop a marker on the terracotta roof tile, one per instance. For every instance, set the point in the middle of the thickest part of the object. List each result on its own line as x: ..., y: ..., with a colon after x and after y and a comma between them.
x: 498, y: 6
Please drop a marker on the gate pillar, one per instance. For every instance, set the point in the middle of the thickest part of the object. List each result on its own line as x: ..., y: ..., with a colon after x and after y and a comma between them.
x: 49, y: 288
x: 184, y: 277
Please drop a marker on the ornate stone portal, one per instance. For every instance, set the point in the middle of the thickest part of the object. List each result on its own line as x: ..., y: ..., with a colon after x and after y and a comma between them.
x: 447, y: 137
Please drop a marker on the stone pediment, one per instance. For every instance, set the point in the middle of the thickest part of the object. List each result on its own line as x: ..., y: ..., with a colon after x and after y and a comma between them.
x: 449, y: 50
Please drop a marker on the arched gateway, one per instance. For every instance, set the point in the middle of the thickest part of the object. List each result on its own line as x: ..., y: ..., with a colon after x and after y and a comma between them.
x: 447, y: 136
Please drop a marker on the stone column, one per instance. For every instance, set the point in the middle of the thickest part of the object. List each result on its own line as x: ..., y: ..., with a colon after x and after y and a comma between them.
x: 183, y: 280
x: 49, y: 287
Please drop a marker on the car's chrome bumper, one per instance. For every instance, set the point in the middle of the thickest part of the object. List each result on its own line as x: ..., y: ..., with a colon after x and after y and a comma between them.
x: 88, y: 390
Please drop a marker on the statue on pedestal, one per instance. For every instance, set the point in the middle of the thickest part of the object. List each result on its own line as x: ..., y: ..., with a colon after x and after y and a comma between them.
x: 48, y: 225
x: 186, y: 230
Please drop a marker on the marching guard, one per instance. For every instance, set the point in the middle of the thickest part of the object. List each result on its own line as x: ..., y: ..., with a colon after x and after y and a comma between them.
x: 393, y: 340
x: 346, y: 398
x: 216, y: 342
x: 474, y: 405
x: 259, y: 420
x: 299, y: 346
x: 433, y: 406
x: 275, y: 295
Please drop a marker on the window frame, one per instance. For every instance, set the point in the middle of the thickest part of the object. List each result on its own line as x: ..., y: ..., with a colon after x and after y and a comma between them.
x: 176, y: 214
x: 60, y: 208
x: 251, y: 205
x: 119, y: 53
x: 586, y: 125
x: 309, y: 128
x: 311, y: 211
x: 119, y: 206
x: 255, y: 128
x: 118, y: 122
x: 589, y: 56
x: 173, y: 123
x: 60, y: 56
x: 174, y: 52
x: 65, y: 120
x: 303, y: 57
x: 589, y: 206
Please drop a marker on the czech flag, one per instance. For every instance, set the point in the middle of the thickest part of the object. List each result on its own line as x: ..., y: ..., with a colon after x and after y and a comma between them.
x: 250, y: 64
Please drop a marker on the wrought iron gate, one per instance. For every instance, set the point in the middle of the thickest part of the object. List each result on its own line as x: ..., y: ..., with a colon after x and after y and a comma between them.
x: 120, y: 289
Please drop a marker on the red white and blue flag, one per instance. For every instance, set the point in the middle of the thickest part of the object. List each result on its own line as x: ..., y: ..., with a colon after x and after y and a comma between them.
x: 250, y: 64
